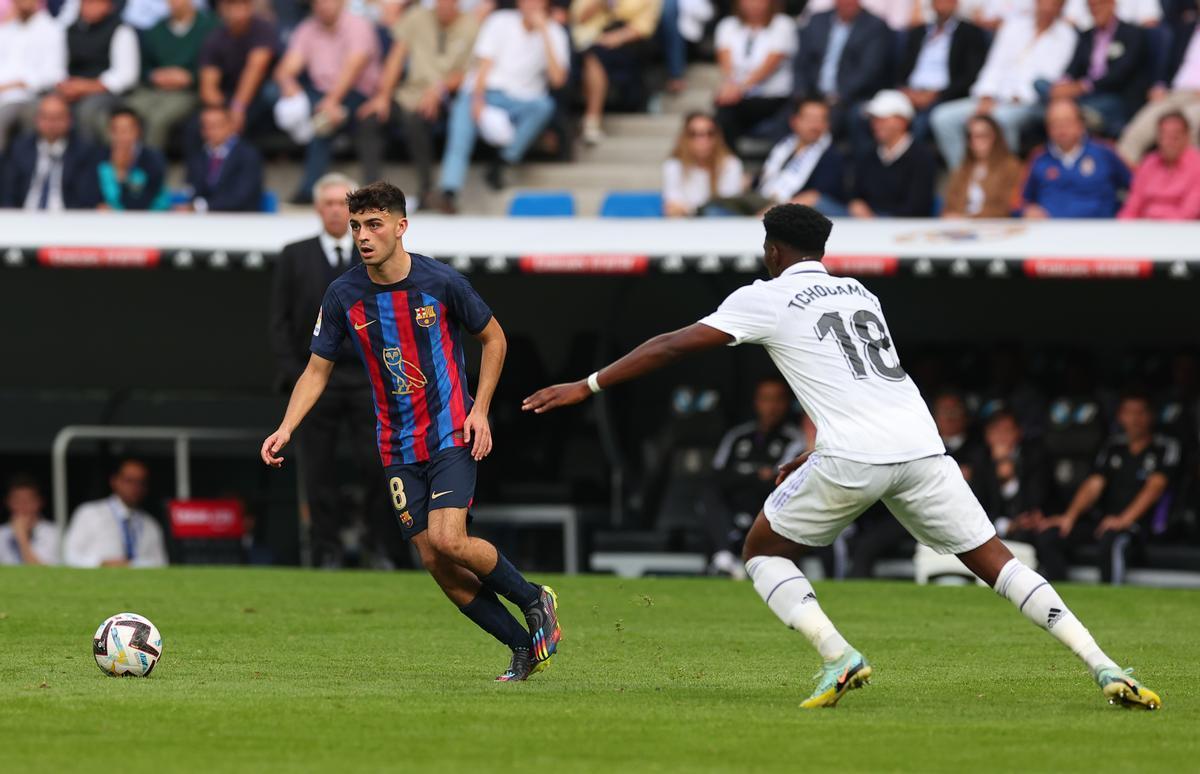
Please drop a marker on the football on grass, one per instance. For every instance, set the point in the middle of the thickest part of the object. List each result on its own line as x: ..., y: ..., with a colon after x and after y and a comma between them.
x: 127, y: 645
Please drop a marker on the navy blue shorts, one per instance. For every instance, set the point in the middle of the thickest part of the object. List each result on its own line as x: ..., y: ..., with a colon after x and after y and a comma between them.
x: 447, y: 480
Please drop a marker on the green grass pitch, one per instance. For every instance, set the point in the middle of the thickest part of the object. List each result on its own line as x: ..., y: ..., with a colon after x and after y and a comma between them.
x: 287, y: 670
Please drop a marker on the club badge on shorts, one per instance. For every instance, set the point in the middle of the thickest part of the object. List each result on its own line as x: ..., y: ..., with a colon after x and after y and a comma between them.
x: 426, y: 316
x: 406, y: 519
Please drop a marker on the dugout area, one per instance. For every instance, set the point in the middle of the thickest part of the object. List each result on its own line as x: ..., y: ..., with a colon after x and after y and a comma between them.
x: 168, y: 347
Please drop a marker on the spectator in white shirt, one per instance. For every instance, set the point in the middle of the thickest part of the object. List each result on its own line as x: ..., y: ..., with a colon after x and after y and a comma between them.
x: 520, y: 55
x: 755, y: 50
x: 700, y: 169
x: 112, y: 532
x: 1026, y: 50
x: 103, y: 63
x: 27, y: 538
x: 33, y: 59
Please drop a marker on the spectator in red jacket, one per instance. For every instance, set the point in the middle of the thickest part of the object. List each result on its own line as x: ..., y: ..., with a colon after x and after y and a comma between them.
x: 1166, y: 185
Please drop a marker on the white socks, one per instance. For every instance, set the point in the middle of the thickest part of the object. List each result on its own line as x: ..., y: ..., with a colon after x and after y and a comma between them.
x: 1036, y: 598
x: 790, y: 596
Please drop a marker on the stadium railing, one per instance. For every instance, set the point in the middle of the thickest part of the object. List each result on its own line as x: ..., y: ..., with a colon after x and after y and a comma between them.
x: 180, y: 437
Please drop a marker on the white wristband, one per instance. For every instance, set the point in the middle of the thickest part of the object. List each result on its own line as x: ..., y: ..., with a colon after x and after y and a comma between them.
x: 593, y: 382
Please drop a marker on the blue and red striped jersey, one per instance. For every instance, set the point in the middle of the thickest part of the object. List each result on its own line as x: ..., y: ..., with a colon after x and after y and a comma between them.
x: 409, y: 335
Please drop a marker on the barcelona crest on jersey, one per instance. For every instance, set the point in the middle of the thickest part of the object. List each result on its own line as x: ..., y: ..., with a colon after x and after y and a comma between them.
x: 426, y: 316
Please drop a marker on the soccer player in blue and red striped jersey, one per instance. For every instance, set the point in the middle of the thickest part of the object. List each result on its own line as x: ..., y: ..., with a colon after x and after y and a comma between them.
x: 405, y: 314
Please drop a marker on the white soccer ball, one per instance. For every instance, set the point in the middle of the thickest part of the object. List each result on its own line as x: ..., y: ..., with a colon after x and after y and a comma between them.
x: 127, y: 644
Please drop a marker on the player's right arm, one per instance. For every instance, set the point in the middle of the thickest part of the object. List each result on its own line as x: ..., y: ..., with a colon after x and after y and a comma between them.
x: 651, y: 355
x: 308, y: 388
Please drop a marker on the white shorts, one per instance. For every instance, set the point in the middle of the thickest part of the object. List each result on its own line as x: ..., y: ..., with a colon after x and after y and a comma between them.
x: 928, y: 496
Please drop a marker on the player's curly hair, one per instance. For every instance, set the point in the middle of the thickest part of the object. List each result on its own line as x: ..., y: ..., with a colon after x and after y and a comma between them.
x: 379, y: 195
x: 799, y: 227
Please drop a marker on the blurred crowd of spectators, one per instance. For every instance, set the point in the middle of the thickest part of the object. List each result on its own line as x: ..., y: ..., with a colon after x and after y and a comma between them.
x: 856, y: 105
x: 1034, y: 108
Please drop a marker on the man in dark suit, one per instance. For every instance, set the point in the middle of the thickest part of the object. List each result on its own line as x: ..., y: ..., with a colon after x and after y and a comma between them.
x: 51, y: 169
x: 302, y: 274
x: 940, y: 62
x: 1110, y: 71
x: 844, y: 57
x: 225, y: 175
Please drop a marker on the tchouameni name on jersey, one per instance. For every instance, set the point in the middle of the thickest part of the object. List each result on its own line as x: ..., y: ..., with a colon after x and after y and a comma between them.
x: 409, y: 336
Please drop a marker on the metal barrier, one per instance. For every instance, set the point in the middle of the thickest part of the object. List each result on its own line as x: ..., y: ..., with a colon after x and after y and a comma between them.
x: 181, y: 436
x: 565, y: 516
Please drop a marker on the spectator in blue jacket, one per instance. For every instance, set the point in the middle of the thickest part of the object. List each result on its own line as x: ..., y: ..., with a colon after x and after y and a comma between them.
x: 132, y: 176
x: 226, y: 174
x: 1075, y: 176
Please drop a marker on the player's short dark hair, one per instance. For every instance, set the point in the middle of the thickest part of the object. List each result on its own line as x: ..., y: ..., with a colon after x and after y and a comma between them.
x: 23, y: 481
x: 379, y: 195
x: 799, y: 227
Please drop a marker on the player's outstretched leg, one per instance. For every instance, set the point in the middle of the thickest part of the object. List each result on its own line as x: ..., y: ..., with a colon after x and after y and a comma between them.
x: 790, y: 596
x: 538, y: 604
x: 1039, y: 602
x: 482, y: 606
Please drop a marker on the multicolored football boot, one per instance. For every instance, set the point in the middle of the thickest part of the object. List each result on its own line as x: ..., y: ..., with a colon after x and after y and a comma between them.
x: 542, y: 619
x: 1120, y: 688
x: 838, y: 676
x: 519, y: 669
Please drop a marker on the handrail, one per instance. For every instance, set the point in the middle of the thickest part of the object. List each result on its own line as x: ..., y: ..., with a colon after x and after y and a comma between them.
x: 182, y: 436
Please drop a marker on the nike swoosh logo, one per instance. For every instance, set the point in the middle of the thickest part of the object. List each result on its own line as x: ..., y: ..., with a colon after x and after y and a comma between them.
x: 436, y: 495
x: 358, y: 327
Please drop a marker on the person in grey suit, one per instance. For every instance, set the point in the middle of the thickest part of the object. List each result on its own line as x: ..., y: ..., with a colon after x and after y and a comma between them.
x: 302, y: 274
x: 845, y: 55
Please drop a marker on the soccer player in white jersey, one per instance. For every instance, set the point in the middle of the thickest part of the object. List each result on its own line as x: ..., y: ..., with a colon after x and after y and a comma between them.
x: 875, y: 441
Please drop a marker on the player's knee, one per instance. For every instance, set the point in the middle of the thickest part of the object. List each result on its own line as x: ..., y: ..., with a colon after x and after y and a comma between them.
x: 449, y: 544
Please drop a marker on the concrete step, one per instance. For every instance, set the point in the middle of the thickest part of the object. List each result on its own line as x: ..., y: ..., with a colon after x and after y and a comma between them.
x: 582, y: 175
x: 688, y: 101
x: 626, y: 149
x: 642, y: 125
x: 704, y: 76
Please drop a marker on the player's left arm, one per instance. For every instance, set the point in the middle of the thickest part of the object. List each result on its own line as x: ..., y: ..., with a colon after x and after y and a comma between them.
x: 651, y: 355
x: 476, y: 427
x: 1150, y: 493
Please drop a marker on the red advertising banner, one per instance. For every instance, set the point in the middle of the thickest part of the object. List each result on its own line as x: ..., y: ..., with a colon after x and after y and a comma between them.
x: 1089, y: 268
x: 862, y: 265
x: 584, y: 264
x: 206, y: 519
x: 99, y: 257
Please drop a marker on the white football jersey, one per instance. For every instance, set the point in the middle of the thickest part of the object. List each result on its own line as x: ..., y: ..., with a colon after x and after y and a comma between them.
x: 828, y: 338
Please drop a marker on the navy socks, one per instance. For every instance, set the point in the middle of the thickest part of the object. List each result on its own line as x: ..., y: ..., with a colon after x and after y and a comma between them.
x: 489, y: 613
x: 510, y: 584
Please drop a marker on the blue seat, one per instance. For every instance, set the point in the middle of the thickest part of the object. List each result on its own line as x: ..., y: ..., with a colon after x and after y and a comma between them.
x: 632, y: 204
x: 269, y: 201
x: 542, y: 204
